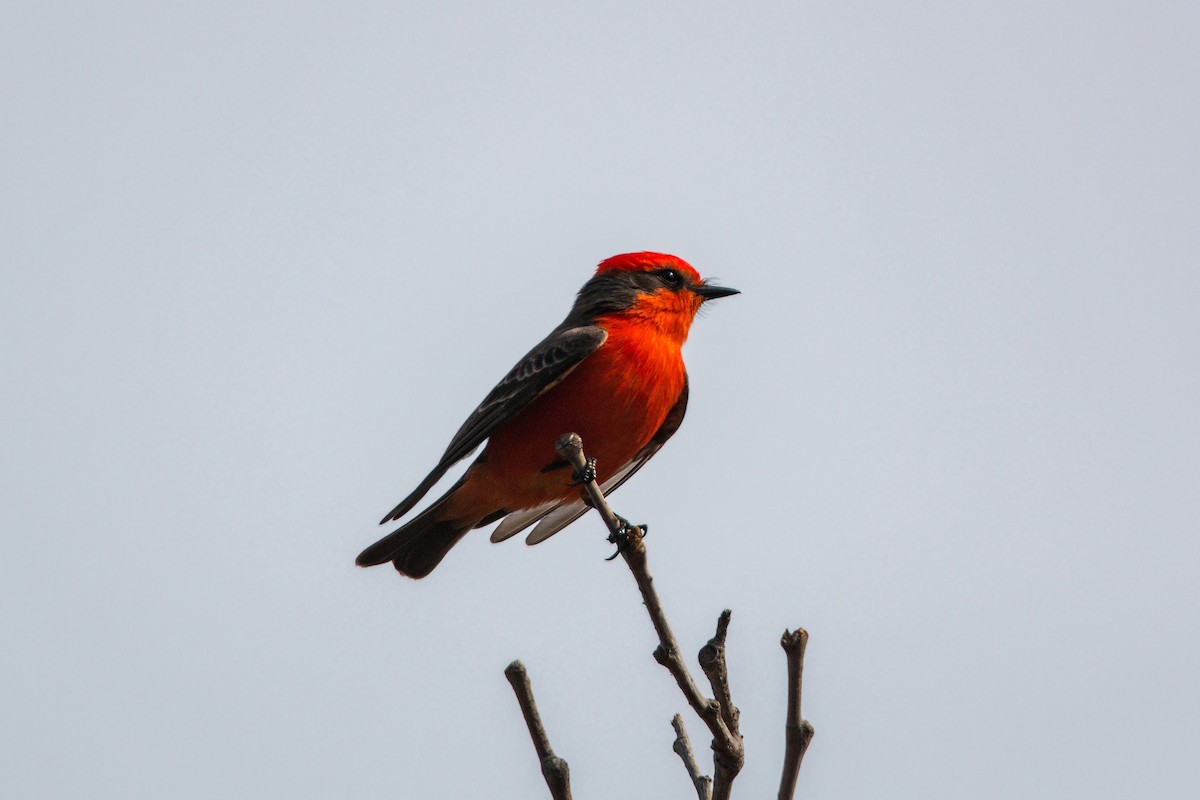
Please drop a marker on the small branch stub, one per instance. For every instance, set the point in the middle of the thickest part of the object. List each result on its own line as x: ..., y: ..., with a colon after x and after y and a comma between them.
x: 798, y: 732
x: 712, y: 661
x: 683, y: 748
x: 554, y: 769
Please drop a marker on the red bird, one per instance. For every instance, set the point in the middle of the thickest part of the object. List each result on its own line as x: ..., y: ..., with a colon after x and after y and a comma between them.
x: 612, y: 372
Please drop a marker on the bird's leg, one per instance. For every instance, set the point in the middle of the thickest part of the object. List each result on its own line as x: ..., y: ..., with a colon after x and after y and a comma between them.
x: 621, y: 537
x: 586, y: 475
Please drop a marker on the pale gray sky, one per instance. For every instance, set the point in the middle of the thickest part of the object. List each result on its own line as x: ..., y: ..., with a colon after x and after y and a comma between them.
x: 260, y: 259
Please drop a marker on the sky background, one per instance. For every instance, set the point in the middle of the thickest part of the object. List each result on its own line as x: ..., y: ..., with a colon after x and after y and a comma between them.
x: 261, y: 259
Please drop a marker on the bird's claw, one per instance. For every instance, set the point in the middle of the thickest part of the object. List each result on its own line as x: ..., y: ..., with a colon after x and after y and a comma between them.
x: 621, y: 537
x: 586, y: 475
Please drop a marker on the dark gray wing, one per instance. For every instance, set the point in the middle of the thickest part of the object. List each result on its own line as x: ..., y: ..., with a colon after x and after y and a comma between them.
x: 541, y: 368
x: 556, y: 516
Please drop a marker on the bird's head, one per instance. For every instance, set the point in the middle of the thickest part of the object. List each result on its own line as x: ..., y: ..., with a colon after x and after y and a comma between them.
x: 654, y: 288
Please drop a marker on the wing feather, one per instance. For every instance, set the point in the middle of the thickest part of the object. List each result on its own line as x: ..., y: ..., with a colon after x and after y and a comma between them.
x: 541, y: 368
x: 518, y: 521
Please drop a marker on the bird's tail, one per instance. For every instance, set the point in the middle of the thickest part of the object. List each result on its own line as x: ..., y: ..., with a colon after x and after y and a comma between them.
x: 419, y: 546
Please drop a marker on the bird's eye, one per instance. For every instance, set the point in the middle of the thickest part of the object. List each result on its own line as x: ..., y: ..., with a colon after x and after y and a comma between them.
x: 671, y: 278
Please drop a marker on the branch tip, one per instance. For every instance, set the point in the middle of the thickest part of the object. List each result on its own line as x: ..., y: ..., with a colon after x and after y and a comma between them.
x: 554, y: 769
x: 798, y: 733
x: 683, y: 748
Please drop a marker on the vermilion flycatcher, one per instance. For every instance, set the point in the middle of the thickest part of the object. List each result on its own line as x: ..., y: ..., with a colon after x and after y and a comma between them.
x: 612, y: 372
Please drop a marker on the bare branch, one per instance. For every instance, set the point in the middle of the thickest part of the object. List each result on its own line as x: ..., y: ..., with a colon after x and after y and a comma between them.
x: 712, y: 661
x: 554, y: 769
x: 728, y: 750
x: 683, y: 748
x: 799, y: 732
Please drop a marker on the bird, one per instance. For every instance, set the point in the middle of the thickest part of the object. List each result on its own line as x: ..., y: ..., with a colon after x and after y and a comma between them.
x: 611, y: 372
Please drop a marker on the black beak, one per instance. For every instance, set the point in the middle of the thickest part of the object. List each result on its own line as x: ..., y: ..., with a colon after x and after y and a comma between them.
x: 709, y: 292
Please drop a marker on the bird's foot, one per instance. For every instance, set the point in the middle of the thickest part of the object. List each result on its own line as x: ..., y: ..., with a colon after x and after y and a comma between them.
x: 585, y: 475
x: 621, y: 537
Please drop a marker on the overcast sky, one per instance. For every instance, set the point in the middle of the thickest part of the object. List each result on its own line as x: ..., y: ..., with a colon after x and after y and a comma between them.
x: 261, y: 259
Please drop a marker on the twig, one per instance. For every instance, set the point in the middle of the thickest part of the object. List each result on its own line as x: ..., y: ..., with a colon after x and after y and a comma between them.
x: 712, y: 661
x: 728, y: 751
x: 554, y: 769
x: 683, y: 748
x: 799, y: 732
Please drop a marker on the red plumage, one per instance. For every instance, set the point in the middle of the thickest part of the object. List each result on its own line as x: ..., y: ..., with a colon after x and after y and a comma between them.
x: 612, y: 372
